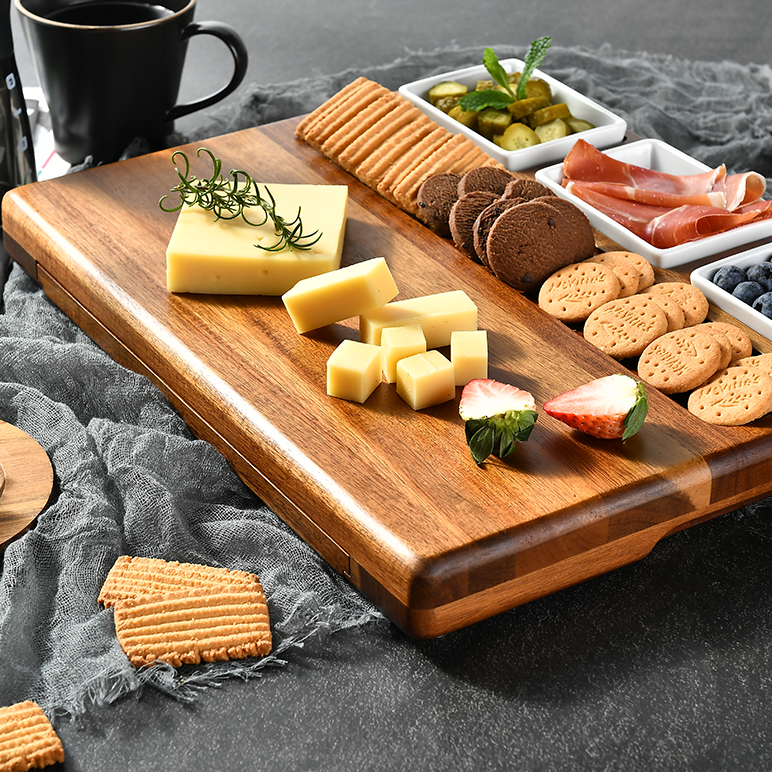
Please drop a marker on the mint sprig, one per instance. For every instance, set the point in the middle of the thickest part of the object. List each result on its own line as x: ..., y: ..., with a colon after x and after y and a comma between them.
x: 479, y: 100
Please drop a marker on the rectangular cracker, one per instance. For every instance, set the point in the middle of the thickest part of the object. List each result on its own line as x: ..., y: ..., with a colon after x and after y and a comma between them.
x: 410, y: 159
x: 27, y: 739
x: 133, y: 576
x: 336, y: 143
x: 319, y: 131
x: 369, y: 142
x: 195, y: 625
x: 324, y: 108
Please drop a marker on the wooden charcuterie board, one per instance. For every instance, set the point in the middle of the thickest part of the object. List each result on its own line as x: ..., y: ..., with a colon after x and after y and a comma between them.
x: 388, y: 496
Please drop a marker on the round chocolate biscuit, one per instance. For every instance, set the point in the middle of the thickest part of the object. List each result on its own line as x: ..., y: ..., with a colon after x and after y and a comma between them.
x: 436, y: 197
x: 529, y: 242
x: 463, y: 215
x: 733, y: 397
x: 484, y: 223
x: 526, y: 188
x: 680, y: 361
x: 624, y: 327
x: 491, y: 178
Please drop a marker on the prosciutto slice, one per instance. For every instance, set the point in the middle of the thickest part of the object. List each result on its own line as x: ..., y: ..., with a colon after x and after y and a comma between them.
x: 664, y: 209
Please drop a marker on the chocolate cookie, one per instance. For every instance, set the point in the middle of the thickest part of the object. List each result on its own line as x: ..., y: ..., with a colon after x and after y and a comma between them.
x: 484, y: 223
x: 489, y: 178
x: 528, y: 242
x: 463, y: 215
x: 436, y: 197
x: 527, y: 189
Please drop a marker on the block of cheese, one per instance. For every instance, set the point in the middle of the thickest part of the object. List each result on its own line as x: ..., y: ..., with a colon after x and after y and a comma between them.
x: 438, y: 316
x: 353, y: 370
x: 469, y: 355
x: 398, y: 343
x: 425, y: 379
x: 221, y: 257
x: 331, y: 297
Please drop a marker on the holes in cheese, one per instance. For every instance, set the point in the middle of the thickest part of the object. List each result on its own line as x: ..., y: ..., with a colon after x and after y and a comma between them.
x: 332, y: 297
x: 425, y: 379
x: 398, y: 343
x: 353, y: 370
x: 438, y: 315
x: 205, y: 255
x: 469, y: 355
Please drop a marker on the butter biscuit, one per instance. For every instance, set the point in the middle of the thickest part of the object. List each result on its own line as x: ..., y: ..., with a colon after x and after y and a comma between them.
x: 733, y: 397
x: 27, y: 738
x: 572, y: 293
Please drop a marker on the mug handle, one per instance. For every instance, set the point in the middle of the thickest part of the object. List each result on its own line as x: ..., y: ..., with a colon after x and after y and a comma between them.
x: 238, y: 50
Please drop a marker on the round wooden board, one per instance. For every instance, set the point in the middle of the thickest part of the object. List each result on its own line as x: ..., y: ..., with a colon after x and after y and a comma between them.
x: 26, y: 481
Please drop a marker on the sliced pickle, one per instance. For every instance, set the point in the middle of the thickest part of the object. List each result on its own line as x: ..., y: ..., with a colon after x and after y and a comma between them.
x: 448, y: 88
x: 519, y: 136
x: 466, y: 117
x: 446, y: 104
x: 491, y: 121
x: 524, y: 107
x: 547, y: 114
x: 579, y: 124
x: 552, y: 130
x: 538, y: 87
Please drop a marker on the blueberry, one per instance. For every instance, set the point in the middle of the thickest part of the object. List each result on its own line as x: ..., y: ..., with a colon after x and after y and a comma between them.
x: 762, y: 273
x: 728, y: 277
x: 763, y: 304
x: 748, y: 291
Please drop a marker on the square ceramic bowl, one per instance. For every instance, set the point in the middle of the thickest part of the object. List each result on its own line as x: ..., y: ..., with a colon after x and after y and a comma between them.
x: 609, y: 130
x: 703, y: 278
x: 658, y: 155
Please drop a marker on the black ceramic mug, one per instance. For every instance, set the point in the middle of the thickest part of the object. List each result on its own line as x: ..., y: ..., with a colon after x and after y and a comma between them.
x: 110, y: 70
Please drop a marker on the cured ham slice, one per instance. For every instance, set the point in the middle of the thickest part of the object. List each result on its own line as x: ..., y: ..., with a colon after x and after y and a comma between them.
x: 664, y: 209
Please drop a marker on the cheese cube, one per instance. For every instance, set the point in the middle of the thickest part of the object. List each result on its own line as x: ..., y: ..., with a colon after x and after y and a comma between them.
x: 438, y: 316
x: 353, y: 370
x: 219, y: 256
x: 332, y: 297
x: 469, y: 354
x: 425, y: 379
x: 398, y: 343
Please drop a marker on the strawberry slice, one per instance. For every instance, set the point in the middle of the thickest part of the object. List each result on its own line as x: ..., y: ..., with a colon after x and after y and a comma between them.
x: 497, y: 416
x: 609, y: 408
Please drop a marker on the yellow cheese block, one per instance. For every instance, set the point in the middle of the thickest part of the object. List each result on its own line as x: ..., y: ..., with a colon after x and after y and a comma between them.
x: 220, y: 257
x: 425, y: 379
x: 438, y: 315
x: 398, y: 343
x: 353, y: 370
x: 332, y: 297
x: 469, y: 355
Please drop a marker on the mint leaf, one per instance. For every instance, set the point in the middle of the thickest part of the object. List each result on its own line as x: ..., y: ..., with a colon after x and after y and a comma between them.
x: 479, y: 100
x: 533, y: 59
x: 637, y: 415
x: 496, y: 71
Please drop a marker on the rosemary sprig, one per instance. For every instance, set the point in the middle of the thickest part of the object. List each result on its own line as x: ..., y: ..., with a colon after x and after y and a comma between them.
x: 231, y: 199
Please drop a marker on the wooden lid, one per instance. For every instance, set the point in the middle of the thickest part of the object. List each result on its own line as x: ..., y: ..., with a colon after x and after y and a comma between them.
x: 26, y: 481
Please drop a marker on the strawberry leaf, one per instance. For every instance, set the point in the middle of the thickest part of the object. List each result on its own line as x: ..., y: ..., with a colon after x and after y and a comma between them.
x: 637, y: 415
x: 498, y: 435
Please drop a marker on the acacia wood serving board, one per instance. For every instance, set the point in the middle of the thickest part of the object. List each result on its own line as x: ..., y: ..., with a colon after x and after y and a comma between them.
x: 388, y: 496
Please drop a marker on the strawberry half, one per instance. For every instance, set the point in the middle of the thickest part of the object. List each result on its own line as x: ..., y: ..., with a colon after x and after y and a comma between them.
x: 497, y: 416
x: 609, y: 408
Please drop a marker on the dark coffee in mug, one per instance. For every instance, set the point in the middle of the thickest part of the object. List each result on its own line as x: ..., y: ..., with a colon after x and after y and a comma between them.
x: 103, y: 13
x: 111, y: 70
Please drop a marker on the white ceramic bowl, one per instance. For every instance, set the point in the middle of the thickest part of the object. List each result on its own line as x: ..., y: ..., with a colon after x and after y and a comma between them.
x: 703, y: 278
x: 658, y: 155
x: 609, y: 130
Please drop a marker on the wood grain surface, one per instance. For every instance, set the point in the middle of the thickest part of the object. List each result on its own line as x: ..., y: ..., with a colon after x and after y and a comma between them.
x: 26, y: 481
x: 388, y: 496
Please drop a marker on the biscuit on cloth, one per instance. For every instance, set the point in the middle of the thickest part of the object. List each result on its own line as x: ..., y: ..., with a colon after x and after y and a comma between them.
x: 27, y: 739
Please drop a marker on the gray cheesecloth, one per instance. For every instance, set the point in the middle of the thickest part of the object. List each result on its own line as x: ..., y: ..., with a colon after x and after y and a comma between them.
x: 130, y: 478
